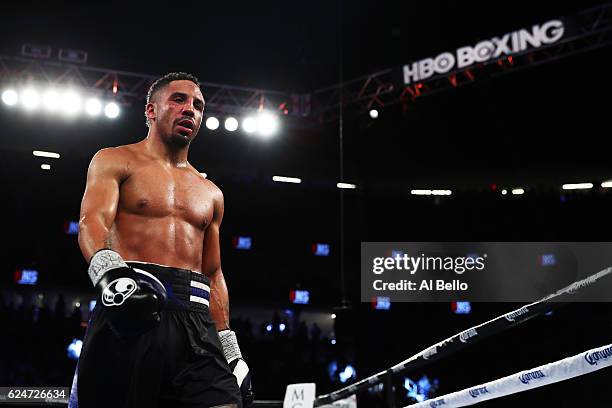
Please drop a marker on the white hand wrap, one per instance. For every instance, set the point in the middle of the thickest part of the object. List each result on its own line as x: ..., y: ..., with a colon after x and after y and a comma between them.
x: 103, y: 261
x: 230, y: 345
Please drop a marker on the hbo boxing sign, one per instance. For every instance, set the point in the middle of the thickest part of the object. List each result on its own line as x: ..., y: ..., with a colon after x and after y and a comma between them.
x: 510, y: 43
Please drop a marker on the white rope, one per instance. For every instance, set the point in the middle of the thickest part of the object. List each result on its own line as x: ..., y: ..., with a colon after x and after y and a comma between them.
x: 575, y: 366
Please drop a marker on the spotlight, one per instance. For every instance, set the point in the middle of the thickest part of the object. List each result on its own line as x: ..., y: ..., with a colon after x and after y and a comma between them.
x: 45, y: 166
x: 10, y: 97
x: 249, y: 124
x: 212, y: 123
x: 333, y: 315
x: 231, y: 124
x: 577, y: 186
x: 283, y: 179
x: 346, y: 185
x: 93, y: 107
x: 373, y: 113
x: 30, y: 99
x: 282, y: 327
x: 70, y: 103
x: 51, y: 100
x: 267, y: 124
x: 111, y: 110
x: 269, y: 328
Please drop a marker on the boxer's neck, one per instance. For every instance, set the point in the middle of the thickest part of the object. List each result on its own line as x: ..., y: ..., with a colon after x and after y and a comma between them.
x: 175, y: 155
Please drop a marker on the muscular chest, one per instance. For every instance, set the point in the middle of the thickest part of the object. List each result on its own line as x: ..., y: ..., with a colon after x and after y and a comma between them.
x: 179, y: 193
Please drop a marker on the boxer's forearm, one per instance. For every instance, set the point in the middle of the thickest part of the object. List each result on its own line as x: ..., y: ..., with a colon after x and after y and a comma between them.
x: 93, y: 236
x: 219, y: 300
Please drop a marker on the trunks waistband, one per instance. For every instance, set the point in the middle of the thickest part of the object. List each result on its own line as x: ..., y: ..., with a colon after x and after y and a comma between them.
x: 187, y: 290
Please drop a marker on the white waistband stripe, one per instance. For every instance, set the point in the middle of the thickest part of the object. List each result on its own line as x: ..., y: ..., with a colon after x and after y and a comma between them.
x: 200, y: 285
x: 198, y: 299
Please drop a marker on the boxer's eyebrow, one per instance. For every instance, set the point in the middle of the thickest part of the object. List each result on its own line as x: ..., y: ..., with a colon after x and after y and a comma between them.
x: 199, y: 103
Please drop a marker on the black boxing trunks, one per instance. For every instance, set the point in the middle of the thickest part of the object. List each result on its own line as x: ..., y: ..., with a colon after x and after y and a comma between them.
x: 180, y: 363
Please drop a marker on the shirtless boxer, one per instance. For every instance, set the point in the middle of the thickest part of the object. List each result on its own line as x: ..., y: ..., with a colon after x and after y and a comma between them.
x: 149, y: 227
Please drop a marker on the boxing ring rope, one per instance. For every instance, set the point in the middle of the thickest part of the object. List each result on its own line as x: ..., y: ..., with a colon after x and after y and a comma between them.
x: 467, y: 337
x: 575, y: 366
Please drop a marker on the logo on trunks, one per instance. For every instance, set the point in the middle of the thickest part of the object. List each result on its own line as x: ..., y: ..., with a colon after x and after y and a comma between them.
x: 476, y: 392
x: 593, y: 357
x: 437, y: 403
x: 117, y: 291
x: 466, y: 335
x: 513, y: 315
x: 533, y: 375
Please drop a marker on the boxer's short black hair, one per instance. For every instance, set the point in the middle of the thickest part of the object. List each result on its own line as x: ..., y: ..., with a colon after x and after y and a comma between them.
x: 161, y: 83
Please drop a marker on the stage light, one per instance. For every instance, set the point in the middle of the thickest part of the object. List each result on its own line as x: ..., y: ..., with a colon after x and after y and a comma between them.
x: 51, y: 100
x: 518, y: 191
x: 70, y: 103
x: 504, y: 191
x: 333, y: 341
x: 319, y: 249
x: 45, y: 166
x: 10, y: 97
x: 111, y: 110
x: 40, y: 153
x: 346, y: 185
x: 269, y: 328
x: 347, y: 374
x: 231, y: 124
x: 431, y: 192
x: 333, y: 316
x: 606, y: 184
x: 373, y: 113
x: 93, y: 107
x: 283, y: 179
x: 249, y: 124
x: 74, y: 349
x: 212, y: 123
x: 267, y: 124
x: 578, y: 186
x: 30, y: 99
x: 282, y: 327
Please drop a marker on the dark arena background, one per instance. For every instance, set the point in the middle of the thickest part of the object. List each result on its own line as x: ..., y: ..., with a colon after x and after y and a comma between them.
x: 499, y: 140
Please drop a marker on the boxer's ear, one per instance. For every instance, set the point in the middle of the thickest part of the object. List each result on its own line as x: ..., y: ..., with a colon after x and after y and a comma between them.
x: 150, y: 111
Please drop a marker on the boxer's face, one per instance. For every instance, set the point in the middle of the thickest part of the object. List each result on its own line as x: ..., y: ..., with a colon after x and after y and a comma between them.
x: 177, y: 112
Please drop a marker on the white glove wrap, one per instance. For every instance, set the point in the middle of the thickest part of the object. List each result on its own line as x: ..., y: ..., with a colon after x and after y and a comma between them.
x: 230, y: 345
x: 103, y: 261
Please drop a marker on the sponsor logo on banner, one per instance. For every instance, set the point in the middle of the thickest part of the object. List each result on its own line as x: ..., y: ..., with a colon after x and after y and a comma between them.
x: 466, y: 335
x: 437, y: 403
x: 594, y: 357
x: 508, y: 44
x: 432, y: 351
x: 511, y: 317
x: 532, y: 375
x: 477, y: 392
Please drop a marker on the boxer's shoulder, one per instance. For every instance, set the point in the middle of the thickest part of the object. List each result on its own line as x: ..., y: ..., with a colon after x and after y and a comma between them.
x: 117, y: 160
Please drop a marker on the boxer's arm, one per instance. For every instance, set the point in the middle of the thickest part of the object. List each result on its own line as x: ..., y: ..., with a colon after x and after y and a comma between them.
x: 99, y: 204
x: 211, y: 267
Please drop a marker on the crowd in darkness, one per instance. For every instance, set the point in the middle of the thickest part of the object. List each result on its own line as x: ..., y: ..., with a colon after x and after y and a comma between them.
x: 34, y: 343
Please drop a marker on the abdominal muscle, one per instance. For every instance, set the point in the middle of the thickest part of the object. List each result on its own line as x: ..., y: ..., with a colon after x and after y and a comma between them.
x: 167, y: 240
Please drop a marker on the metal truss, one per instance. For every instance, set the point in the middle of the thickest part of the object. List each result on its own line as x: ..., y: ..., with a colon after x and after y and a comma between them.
x: 593, y: 30
x: 129, y: 88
